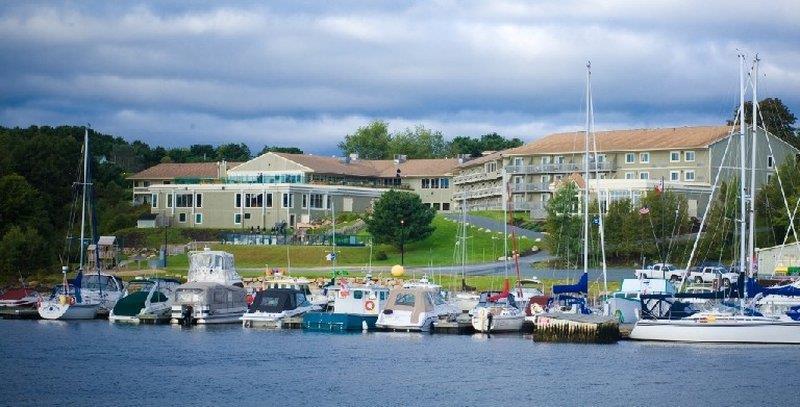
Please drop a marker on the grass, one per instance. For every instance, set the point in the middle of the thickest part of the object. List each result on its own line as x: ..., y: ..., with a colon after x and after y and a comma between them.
x: 437, y: 250
x: 498, y: 215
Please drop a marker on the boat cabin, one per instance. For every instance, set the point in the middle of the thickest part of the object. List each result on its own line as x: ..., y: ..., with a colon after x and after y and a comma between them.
x: 276, y: 300
x: 213, y: 295
x: 364, y: 299
x: 213, y: 266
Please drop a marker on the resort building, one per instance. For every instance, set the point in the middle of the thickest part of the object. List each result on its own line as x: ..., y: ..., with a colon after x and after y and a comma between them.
x: 280, y: 188
x: 629, y: 163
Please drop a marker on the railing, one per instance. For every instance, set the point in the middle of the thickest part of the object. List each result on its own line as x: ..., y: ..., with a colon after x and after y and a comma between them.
x: 528, y: 206
x: 530, y: 187
x: 565, y: 167
x: 264, y: 239
x: 266, y: 181
x: 141, y: 190
x: 480, y: 176
x: 478, y: 193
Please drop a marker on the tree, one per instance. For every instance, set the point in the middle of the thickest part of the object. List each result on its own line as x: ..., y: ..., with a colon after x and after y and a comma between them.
x: 202, y: 152
x: 772, y: 219
x: 276, y: 149
x: 777, y: 119
x: 370, y: 142
x: 20, y: 203
x: 487, y: 142
x: 564, y: 224
x: 666, y: 218
x: 418, y: 143
x: 400, y: 218
x: 22, y: 252
x: 233, y: 152
x: 621, y: 230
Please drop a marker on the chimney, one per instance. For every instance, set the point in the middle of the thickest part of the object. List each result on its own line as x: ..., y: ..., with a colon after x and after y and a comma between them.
x: 462, y: 158
x: 400, y: 158
x: 353, y: 156
x: 222, y: 169
x: 344, y: 160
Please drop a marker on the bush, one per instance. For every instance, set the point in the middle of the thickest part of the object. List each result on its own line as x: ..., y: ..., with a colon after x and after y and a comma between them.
x: 381, y: 255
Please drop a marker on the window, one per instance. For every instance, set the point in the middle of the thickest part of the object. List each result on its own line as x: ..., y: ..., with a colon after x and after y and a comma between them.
x: 154, y: 200
x: 316, y: 201
x: 237, y: 201
x: 630, y: 175
x: 198, y: 218
x: 237, y: 218
x: 182, y: 217
x: 560, y: 159
x: 769, y: 177
x: 644, y: 175
x: 644, y: 158
x: 435, y: 183
x: 198, y: 201
x: 444, y: 183
x: 674, y: 176
x: 688, y: 175
x: 247, y: 215
x: 630, y: 158
x: 184, y: 200
x: 519, y: 161
x: 491, y: 166
x: 437, y: 206
x: 426, y: 183
x: 674, y: 156
x: 688, y: 156
x: 304, y: 201
x: 770, y: 161
x: 406, y: 299
x: 169, y: 201
x: 382, y: 296
x: 287, y: 201
x: 446, y: 206
x: 358, y: 294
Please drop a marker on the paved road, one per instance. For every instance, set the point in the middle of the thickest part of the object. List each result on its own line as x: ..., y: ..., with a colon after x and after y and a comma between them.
x: 494, y: 225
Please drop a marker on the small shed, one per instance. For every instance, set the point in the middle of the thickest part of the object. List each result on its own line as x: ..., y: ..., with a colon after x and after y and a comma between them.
x: 146, y: 221
x: 106, y: 252
x: 780, y: 259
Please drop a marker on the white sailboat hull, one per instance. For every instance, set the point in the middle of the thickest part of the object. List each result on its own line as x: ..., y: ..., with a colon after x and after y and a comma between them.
x: 54, y: 310
x: 752, y: 330
x: 497, y: 323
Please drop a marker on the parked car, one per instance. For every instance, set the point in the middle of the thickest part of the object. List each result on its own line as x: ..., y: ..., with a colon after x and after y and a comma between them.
x: 664, y: 271
x: 710, y: 274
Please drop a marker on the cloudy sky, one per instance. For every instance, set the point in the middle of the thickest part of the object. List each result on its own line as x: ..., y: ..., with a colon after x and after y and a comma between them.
x: 307, y: 73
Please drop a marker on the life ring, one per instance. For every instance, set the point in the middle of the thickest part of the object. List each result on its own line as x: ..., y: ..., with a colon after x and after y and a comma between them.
x: 369, y: 305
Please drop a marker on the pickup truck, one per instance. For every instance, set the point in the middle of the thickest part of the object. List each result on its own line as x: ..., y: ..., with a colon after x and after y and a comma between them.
x: 664, y: 271
x: 710, y: 274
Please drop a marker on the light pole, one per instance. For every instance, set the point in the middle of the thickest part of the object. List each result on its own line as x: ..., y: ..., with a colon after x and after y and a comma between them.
x: 402, y: 241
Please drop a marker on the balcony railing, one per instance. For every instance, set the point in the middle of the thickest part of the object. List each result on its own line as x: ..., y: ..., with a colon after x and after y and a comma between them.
x: 478, y: 193
x: 475, y: 177
x: 553, y: 168
x: 530, y: 187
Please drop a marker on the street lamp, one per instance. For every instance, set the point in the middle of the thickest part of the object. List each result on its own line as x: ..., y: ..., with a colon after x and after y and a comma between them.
x: 402, y: 241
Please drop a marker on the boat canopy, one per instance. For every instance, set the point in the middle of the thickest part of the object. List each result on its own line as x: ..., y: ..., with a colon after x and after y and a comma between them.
x: 277, y: 300
x: 415, y: 299
x: 647, y: 286
x: 213, y: 266
x: 208, y: 293
x: 582, y: 286
x: 754, y: 288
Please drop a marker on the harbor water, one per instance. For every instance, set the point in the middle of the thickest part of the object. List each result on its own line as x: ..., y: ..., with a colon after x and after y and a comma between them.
x: 98, y: 363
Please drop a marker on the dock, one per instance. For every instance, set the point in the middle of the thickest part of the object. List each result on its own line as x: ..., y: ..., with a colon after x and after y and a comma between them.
x: 19, y: 313
x: 577, y: 328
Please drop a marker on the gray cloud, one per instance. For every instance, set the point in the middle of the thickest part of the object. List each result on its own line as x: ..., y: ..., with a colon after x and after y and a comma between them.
x: 306, y: 74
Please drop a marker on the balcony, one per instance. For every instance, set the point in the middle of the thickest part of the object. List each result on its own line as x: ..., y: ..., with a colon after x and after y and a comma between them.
x: 475, y: 177
x: 528, y: 206
x: 559, y: 168
x: 478, y: 193
x: 141, y: 190
x: 530, y: 187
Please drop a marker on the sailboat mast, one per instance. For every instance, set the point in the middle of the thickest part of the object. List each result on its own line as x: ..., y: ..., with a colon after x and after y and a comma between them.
x: 333, y: 236
x: 506, y: 202
x: 586, y: 175
x: 83, y: 200
x: 751, y: 241
x: 600, y: 220
x: 463, y: 238
x: 742, y: 172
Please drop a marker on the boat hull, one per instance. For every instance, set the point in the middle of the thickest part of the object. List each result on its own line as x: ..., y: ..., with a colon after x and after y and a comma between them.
x: 482, y: 322
x: 755, y: 331
x: 55, y: 310
x: 327, y: 322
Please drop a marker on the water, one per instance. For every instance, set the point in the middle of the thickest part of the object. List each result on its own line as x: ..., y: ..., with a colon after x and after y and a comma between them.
x: 94, y: 362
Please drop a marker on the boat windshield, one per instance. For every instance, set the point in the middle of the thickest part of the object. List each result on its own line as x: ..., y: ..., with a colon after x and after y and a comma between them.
x: 137, y: 286
x: 407, y: 299
x: 188, y: 295
x: 95, y: 283
x: 208, y: 260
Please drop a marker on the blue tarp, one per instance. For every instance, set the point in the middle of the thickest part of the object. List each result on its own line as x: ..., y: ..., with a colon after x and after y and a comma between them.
x: 753, y: 288
x: 582, y: 286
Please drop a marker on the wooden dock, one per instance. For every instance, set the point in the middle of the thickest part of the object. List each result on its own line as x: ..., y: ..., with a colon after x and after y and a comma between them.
x: 19, y: 313
x: 578, y: 328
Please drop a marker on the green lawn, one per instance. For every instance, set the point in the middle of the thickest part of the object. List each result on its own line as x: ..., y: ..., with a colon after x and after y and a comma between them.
x: 498, y: 215
x: 437, y: 250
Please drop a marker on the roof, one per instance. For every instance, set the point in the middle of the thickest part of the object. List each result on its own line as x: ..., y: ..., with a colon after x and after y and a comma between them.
x: 179, y: 170
x: 627, y: 140
x: 374, y: 168
x: 618, y: 140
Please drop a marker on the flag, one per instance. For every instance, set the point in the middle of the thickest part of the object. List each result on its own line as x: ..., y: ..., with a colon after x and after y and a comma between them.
x: 644, y: 211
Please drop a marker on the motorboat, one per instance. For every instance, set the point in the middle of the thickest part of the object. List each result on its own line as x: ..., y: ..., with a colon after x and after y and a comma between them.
x: 626, y: 304
x: 103, y: 288
x: 301, y: 284
x: 145, y: 300
x: 19, y: 303
x: 355, y: 308
x: 66, y: 302
x: 500, y: 315
x: 414, y: 308
x: 273, y: 306
x: 214, y: 292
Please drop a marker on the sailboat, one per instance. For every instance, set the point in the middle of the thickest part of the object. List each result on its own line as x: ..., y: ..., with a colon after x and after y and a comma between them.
x: 501, y: 312
x: 725, y: 323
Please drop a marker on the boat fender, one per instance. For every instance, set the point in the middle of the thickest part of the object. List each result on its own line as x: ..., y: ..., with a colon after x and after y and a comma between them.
x: 71, y: 300
x: 369, y: 305
x: 187, y: 315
